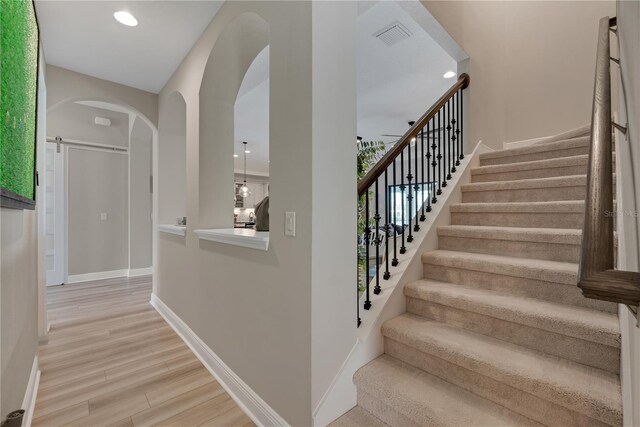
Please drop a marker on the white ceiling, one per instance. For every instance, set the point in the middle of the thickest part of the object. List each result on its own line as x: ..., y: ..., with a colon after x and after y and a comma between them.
x: 83, y: 36
x: 395, y: 84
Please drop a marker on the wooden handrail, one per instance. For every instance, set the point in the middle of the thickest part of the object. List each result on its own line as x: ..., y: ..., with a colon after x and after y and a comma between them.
x: 378, y: 169
x: 597, y: 277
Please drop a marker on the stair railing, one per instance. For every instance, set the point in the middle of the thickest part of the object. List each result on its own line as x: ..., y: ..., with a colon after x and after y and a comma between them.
x: 412, y: 175
x: 597, y: 277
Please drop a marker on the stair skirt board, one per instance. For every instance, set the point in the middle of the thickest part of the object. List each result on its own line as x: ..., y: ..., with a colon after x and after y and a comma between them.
x: 497, y: 331
x: 248, y: 400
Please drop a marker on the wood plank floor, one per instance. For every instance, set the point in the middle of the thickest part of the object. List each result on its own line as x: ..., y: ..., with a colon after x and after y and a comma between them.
x: 111, y: 359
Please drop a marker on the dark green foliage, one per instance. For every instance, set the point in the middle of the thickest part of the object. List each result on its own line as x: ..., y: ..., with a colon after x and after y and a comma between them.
x: 369, y: 153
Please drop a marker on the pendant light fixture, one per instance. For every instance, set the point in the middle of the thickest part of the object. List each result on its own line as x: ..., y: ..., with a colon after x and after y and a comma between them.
x: 244, y: 190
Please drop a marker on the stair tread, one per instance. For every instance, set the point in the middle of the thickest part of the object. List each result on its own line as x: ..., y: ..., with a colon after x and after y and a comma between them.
x: 578, y: 322
x: 357, y: 417
x: 549, y: 271
x: 530, y: 183
x: 537, y: 148
x: 532, y: 165
x: 569, y: 206
x: 428, y: 400
x: 527, y: 234
x: 587, y: 390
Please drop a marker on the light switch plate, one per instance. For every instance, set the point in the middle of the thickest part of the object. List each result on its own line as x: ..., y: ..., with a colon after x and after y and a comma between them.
x: 103, y: 216
x: 290, y: 224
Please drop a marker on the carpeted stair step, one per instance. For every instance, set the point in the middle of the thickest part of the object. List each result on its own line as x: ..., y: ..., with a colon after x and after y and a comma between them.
x: 553, y: 244
x: 549, y: 150
x: 562, y: 166
x: 357, y: 417
x: 541, y: 279
x: 548, y: 389
x: 526, y: 190
x: 579, y: 334
x: 402, y: 395
x: 557, y: 214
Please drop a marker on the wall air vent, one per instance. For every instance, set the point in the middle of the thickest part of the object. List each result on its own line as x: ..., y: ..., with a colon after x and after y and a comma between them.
x: 393, y: 34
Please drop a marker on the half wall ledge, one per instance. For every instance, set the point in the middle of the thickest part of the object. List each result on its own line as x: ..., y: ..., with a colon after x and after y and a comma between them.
x: 244, y: 237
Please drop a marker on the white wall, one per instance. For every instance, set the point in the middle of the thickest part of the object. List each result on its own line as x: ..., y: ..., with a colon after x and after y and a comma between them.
x: 255, y: 309
x: 19, y: 290
x: 628, y: 199
x: 140, y: 195
x: 98, y: 181
x: 531, y: 64
x: 172, y: 159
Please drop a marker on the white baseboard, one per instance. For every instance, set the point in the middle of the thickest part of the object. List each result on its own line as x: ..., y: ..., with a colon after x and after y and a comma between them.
x: 135, y: 272
x: 256, y: 408
x: 29, y: 401
x: 100, y: 275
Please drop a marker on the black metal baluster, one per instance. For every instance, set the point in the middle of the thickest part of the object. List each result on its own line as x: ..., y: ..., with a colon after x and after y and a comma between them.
x: 403, y: 248
x: 358, y: 298
x: 454, y: 136
x: 409, y: 195
x: 367, y: 240
x: 454, y: 157
x: 395, y: 219
x: 422, y: 216
x: 449, y: 138
x: 432, y: 194
x: 439, y: 192
x: 376, y: 289
x: 416, y: 227
x: 387, y: 226
x: 462, y: 124
x: 447, y: 143
x: 458, y: 140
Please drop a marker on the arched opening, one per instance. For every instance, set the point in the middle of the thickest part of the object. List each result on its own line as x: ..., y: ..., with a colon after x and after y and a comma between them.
x: 232, y: 55
x: 172, y: 157
x: 98, y: 190
x: 251, y: 117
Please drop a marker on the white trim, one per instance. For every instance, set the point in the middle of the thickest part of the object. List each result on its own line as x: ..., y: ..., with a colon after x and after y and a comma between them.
x: 245, y: 237
x: 248, y: 400
x: 29, y: 401
x: 179, y: 230
x: 135, y: 272
x: 86, y: 277
x: 573, y: 133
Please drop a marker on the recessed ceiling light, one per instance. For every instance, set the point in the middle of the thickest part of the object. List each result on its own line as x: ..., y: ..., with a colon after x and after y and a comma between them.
x: 247, y: 151
x: 449, y: 74
x: 125, y: 18
x: 235, y: 155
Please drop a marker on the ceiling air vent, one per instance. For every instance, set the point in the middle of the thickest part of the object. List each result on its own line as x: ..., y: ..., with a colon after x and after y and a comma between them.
x: 393, y: 34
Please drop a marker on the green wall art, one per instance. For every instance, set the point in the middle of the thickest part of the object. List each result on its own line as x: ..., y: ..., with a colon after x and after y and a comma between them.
x: 18, y: 100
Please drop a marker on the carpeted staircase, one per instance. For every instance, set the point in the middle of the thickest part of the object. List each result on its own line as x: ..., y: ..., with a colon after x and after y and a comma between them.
x: 497, y: 333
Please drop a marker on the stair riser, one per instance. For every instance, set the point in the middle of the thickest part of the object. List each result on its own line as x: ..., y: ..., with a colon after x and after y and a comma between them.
x: 517, y: 219
x: 531, y: 288
x: 382, y: 411
x: 530, y: 174
x: 520, y: 249
x: 529, y: 157
x: 517, y: 400
x: 575, y: 349
x: 550, y: 194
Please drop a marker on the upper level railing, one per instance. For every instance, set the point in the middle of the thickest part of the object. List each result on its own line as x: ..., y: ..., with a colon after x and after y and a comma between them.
x: 412, y: 175
x: 597, y: 276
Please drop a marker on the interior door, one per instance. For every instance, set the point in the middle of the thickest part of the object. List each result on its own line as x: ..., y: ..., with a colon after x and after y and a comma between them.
x: 55, y: 217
